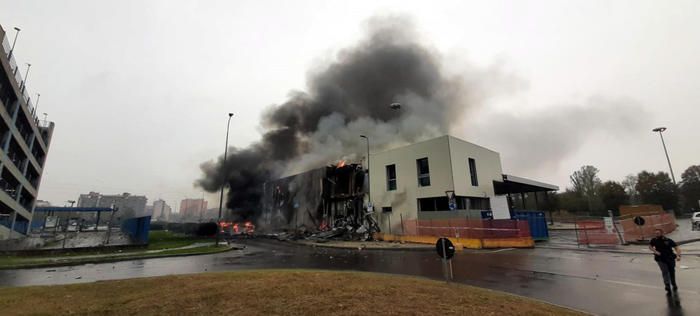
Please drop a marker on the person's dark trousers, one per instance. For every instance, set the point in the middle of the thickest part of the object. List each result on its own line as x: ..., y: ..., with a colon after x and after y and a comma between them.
x: 668, y: 271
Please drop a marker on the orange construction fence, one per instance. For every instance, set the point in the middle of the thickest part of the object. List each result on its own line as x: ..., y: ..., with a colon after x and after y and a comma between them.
x: 666, y: 222
x: 594, y: 232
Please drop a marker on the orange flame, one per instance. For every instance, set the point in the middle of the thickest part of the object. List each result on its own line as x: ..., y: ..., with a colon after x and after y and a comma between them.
x: 340, y: 164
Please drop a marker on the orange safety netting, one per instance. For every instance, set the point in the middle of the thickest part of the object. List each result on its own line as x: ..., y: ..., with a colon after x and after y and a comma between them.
x: 466, y: 228
x: 593, y: 232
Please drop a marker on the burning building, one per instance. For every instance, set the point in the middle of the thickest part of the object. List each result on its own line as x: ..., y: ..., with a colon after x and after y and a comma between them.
x: 322, y: 199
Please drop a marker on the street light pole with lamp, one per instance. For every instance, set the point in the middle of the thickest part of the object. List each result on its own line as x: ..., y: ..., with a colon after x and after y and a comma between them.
x: 660, y: 130
x: 13, y: 43
x: 26, y: 75
x: 221, y: 197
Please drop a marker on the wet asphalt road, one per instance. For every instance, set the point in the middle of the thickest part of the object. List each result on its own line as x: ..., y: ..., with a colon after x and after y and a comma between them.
x: 600, y: 283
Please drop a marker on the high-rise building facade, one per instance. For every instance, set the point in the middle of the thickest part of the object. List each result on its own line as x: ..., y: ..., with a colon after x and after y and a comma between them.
x: 161, y: 211
x: 192, y: 209
x: 24, y: 144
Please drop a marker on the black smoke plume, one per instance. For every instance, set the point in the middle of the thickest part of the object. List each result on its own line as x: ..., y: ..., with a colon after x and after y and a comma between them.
x: 345, y: 98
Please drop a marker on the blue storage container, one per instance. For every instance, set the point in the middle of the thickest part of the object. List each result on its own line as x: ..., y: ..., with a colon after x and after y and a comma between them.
x: 537, y: 222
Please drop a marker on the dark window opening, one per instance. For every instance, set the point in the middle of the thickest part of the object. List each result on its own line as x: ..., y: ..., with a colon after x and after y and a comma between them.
x: 386, y: 209
x: 21, y: 224
x: 423, y: 172
x: 433, y: 204
x: 391, y: 177
x: 9, y: 183
x: 472, y: 172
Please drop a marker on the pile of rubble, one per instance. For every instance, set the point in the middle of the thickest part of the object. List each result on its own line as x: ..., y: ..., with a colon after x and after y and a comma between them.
x: 344, y: 228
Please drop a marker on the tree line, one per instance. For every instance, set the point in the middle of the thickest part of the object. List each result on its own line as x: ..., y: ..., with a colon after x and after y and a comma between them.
x: 588, y: 194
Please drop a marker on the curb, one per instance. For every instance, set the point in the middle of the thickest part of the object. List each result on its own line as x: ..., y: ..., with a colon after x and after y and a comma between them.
x: 322, y: 245
x: 610, y: 250
x: 109, y: 260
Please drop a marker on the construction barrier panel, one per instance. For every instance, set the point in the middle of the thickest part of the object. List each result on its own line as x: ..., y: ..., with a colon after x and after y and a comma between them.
x: 594, y: 232
x: 665, y: 222
x: 466, y: 233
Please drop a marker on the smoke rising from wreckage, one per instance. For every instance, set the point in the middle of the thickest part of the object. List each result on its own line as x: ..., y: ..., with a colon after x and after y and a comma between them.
x: 348, y: 97
x: 389, y: 86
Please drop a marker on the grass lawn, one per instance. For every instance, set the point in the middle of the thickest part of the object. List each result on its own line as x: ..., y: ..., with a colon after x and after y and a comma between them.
x: 158, y: 240
x: 270, y: 292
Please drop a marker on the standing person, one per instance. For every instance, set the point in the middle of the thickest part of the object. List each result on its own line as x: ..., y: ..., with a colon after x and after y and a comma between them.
x: 663, y: 255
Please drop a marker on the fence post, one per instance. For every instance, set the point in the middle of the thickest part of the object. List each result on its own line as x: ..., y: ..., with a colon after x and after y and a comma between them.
x: 402, y: 230
x: 578, y: 244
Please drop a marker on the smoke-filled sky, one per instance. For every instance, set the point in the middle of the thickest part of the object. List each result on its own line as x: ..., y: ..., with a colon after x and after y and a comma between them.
x: 140, y: 90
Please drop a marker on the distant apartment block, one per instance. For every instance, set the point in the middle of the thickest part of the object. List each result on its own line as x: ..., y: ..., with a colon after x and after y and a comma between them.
x: 128, y: 205
x: 24, y: 144
x: 161, y: 211
x: 193, y: 209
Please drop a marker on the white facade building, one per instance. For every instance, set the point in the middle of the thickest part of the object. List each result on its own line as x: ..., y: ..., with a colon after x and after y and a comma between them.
x: 414, y: 182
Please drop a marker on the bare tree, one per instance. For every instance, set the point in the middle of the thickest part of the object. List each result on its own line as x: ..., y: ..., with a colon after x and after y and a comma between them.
x: 585, y: 182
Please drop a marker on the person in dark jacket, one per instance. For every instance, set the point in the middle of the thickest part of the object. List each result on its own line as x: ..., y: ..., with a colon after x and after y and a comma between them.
x: 664, y: 256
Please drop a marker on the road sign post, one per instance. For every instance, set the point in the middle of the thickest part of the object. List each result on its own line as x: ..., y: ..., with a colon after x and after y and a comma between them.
x: 639, y: 221
x: 446, y: 250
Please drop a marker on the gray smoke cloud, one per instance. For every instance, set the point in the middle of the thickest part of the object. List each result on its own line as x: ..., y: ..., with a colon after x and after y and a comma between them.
x: 345, y: 98
x: 535, y: 140
x: 350, y: 96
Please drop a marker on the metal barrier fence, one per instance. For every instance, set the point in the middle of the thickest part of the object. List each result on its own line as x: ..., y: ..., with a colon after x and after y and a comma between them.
x: 592, y: 231
x: 466, y: 228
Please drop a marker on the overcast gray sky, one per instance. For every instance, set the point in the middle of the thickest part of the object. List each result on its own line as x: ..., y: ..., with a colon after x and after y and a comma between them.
x: 139, y: 90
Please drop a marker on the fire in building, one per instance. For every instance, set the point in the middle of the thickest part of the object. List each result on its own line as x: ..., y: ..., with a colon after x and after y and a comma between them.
x: 440, y: 178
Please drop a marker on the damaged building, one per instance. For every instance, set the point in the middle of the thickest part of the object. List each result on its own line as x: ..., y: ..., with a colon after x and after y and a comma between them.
x: 331, y: 198
x: 441, y: 178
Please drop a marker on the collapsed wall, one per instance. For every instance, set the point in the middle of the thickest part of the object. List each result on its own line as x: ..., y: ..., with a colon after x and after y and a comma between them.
x: 331, y: 198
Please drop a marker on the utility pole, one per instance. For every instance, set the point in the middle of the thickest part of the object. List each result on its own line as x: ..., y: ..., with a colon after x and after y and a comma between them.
x: 221, y: 197
x: 661, y: 130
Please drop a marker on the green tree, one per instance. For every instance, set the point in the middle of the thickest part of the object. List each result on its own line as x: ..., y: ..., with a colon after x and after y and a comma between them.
x: 571, y: 201
x: 690, y: 187
x: 657, y: 188
x: 612, y: 195
x: 585, y: 183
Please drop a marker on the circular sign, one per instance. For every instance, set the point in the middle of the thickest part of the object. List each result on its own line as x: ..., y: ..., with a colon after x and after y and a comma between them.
x: 639, y: 221
x: 445, y: 248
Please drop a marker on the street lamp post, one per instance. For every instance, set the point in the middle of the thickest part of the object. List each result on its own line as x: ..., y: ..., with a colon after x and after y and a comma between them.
x: 26, y: 75
x: 36, y: 106
x: 660, y: 130
x: 369, y: 184
x: 221, y: 197
x: 13, y: 43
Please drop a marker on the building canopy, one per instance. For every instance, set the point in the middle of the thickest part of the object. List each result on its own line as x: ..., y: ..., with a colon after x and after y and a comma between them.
x: 512, y: 184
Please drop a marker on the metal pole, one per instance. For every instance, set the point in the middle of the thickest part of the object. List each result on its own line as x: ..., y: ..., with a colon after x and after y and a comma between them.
x: 36, y: 106
x: 444, y: 261
x: 667, y: 159
x: 26, y: 75
x: 221, y: 197
x: 13, y: 43
x: 402, y: 229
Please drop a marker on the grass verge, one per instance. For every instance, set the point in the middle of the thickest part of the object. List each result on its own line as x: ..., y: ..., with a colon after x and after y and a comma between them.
x: 270, y: 292
x: 166, y: 243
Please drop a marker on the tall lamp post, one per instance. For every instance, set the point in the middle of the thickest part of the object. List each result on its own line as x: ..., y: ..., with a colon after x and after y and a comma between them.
x: 13, y: 43
x: 26, y: 75
x: 221, y: 197
x: 661, y: 130
x: 369, y: 184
